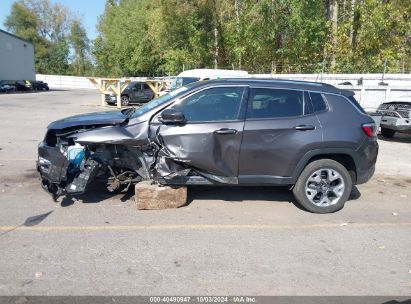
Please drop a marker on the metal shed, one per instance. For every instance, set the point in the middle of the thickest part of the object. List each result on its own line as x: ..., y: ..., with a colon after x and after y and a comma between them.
x: 16, y: 58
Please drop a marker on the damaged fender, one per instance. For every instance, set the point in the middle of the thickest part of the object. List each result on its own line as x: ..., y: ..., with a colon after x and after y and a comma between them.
x: 124, y: 150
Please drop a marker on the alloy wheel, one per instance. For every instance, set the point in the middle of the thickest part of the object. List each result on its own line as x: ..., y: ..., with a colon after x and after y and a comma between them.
x: 324, y: 187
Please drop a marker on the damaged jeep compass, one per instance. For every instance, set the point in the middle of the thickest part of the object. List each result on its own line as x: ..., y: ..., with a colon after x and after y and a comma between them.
x: 312, y: 137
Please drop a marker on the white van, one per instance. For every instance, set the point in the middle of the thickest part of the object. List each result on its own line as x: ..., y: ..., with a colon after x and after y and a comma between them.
x: 190, y: 76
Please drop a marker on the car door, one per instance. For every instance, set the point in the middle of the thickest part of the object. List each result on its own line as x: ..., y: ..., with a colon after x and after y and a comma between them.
x: 280, y: 127
x: 209, y: 141
x: 147, y: 92
x: 137, y: 93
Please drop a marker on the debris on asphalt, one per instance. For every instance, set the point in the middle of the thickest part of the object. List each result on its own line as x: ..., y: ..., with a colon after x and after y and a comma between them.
x: 381, y: 247
x: 39, y: 274
x: 395, y: 213
x: 381, y: 180
x: 343, y: 224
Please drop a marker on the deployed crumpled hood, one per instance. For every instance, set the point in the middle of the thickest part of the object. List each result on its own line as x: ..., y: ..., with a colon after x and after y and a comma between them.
x: 98, y: 118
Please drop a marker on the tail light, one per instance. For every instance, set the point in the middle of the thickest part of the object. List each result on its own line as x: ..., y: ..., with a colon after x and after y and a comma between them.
x: 370, y: 129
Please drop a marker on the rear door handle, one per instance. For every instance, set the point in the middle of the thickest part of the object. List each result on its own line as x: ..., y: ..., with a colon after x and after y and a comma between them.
x: 304, y: 127
x: 226, y: 131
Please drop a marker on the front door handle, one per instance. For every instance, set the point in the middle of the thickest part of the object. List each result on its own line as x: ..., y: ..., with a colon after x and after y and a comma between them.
x: 304, y: 127
x: 226, y: 131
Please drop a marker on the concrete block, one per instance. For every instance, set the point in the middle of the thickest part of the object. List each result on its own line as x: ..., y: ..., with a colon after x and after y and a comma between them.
x: 148, y: 196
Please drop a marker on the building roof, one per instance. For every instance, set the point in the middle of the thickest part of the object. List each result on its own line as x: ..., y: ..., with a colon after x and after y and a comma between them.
x: 14, y: 36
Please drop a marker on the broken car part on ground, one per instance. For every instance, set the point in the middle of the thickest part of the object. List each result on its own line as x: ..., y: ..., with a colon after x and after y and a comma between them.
x: 237, y: 132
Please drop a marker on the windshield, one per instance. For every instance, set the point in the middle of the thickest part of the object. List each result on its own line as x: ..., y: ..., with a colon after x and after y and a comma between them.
x: 182, y: 81
x: 157, y: 101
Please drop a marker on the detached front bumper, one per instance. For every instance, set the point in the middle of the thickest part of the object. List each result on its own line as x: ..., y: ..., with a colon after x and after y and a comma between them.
x: 52, y: 164
x: 61, y: 176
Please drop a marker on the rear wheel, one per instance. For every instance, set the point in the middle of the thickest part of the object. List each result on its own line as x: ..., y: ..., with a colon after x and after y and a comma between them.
x: 323, y: 187
x: 125, y: 100
x: 388, y: 133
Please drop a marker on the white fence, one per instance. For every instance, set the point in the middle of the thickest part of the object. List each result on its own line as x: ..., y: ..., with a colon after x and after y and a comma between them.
x: 71, y: 82
x: 370, y: 94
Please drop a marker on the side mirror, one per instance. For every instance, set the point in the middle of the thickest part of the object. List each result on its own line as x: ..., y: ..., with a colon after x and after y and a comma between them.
x: 172, y: 116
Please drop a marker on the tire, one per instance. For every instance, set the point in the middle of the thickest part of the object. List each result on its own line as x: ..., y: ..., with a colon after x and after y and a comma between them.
x: 388, y: 133
x: 125, y: 100
x: 327, y: 182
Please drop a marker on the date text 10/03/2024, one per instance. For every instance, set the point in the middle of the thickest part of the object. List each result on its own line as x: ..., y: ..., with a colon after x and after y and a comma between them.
x: 203, y: 299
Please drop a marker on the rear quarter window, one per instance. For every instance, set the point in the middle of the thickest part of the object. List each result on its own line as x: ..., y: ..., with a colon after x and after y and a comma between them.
x: 318, y: 102
x: 356, y: 104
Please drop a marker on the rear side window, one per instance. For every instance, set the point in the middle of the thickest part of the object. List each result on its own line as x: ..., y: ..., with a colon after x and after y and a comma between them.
x: 318, y: 102
x: 274, y: 103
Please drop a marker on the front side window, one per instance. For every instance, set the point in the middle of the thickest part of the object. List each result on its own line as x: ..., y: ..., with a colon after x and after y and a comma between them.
x: 214, y: 104
x: 134, y: 86
x: 275, y: 103
x: 156, y: 102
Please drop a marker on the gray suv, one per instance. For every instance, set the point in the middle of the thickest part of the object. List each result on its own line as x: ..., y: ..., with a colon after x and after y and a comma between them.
x: 312, y: 137
x: 135, y: 92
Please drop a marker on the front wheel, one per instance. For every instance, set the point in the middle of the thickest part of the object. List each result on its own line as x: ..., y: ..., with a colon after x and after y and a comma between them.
x: 323, y: 187
x: 388, y: 133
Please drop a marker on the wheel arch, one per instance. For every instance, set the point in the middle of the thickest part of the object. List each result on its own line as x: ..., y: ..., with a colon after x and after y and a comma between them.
x: 345, y: 157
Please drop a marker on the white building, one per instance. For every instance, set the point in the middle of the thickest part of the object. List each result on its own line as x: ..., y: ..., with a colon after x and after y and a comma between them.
x: 16, y: 58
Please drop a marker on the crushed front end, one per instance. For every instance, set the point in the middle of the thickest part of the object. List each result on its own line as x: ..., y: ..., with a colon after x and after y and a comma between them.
x: 67, y: 167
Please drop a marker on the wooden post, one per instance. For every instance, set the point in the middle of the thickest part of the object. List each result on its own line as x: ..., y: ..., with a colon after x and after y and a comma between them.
x: 118, y: 87
x: 103, y: 96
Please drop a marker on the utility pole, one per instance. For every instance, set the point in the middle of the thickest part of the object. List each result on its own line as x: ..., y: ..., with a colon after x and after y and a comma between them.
x: 215, y: 48
x: 237, y: 15
x: 334, y: 18
x: 352, y: 10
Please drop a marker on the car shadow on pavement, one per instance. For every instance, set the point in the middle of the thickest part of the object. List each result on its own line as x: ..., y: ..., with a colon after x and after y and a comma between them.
x: 399, y: 137
x: 237, y: 194
x: 96, y: 193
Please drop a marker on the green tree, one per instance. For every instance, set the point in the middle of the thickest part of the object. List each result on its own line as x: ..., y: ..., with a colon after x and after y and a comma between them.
x: 282, y: 36
x: 51, y: 28
x: 80, y: 43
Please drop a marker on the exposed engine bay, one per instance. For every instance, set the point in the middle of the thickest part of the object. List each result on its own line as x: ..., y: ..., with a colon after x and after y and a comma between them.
x: 122, y: 154
x: 67, y: 167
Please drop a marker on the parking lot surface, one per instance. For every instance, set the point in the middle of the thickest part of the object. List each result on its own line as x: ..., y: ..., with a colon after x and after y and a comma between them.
x: 226, y: 241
